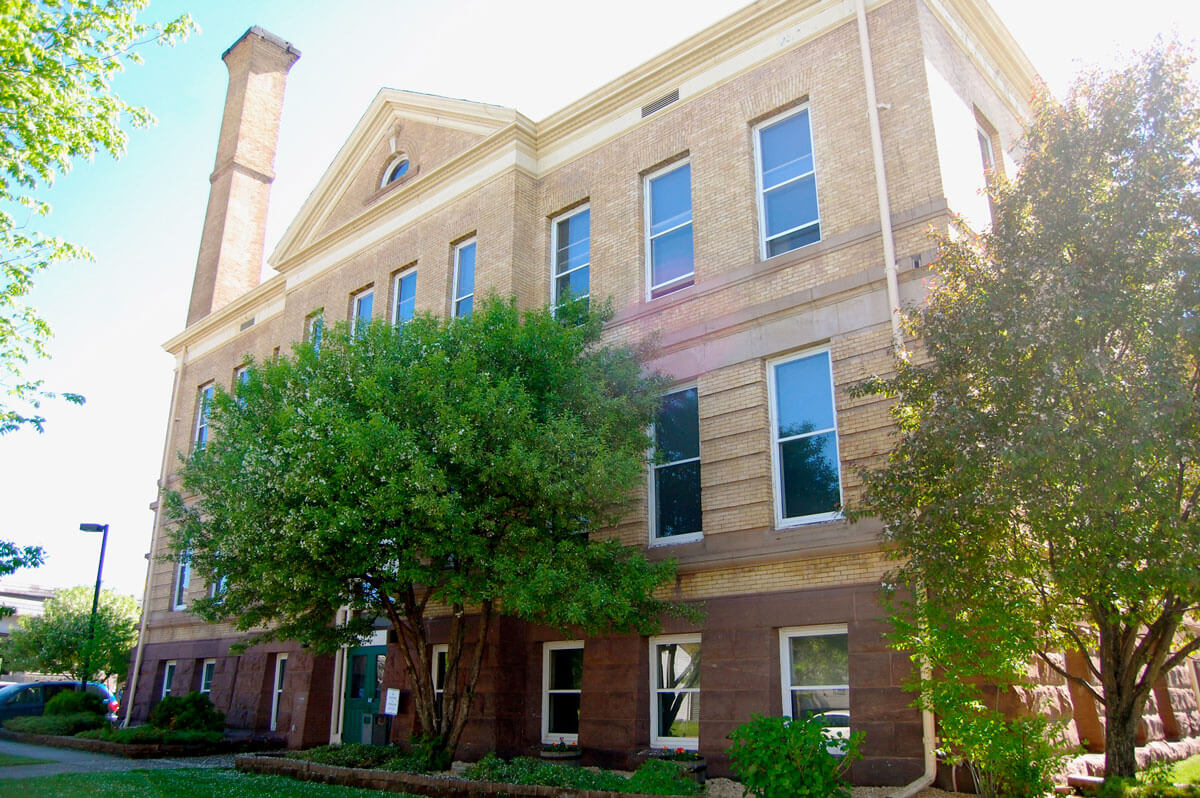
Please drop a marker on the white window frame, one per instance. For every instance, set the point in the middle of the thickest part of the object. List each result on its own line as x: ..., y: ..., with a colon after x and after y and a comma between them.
x: 438, y: 692
x: 314, y: 327
x: 684, y: 280
x: 776, y: 466
x: 689, y: 743
x: 396, y: 293
x: 277, y: 688
x: 204, y: 397
x: 355, y: 302
x: 785, y: 675
x: 988, y: 157
x: 547, y: 648
x: 672, y: 540
x: 455, y: 299
x: 554, y: 274
x: 183, y: 579
x: 392, y: 163
x: 207, y: 677
x: 758, y: 180
x: 169, y: 668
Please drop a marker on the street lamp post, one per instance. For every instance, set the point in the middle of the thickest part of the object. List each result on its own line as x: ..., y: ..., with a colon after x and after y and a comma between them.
x: 87, y: 656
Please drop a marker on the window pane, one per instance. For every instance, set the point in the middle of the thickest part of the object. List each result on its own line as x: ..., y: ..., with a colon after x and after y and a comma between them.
x: 804, y: 396
x: 677, y: 492
x: 572, y: 239
x: 678, y: 665
x: 671, y: 199
x: 786, y: 150
x: 566, y: 669
x: 466, y: 270
x: 819, y: 659
x: 677, y: 428
x: 575, y: 284
x: 793, y: 205
x: 832, y: 705
x: 678, y: 714
x: 671, y: 256
x: 794, y: 240
x: 564, y: 713
x: 406, y: 297
x: 439, y: 671
x: 363, y: 306
x: 463, y: 307
x: 810, y: 475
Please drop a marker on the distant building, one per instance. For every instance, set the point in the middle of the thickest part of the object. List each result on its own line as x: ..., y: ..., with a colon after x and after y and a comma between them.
x: 25, y: 600
x: 725, y: 196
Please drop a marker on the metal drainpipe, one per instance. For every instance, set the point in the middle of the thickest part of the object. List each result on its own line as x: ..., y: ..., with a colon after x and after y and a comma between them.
x: 893, y: 294
x: 339, y: 685
x: 137, y: 663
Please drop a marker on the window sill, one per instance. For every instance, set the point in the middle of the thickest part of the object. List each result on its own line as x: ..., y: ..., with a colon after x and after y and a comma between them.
x: 783, y: 524
x: 676, y: 540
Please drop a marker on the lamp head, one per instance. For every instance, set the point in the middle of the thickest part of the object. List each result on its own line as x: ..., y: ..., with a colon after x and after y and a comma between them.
x: 93, y: 527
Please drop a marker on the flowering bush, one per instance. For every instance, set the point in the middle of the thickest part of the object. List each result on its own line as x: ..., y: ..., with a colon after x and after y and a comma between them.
x: 560, y: 746
x: 675, y: 754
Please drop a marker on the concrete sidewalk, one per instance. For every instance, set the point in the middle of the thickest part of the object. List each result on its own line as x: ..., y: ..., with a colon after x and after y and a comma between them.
x: 68, y: 760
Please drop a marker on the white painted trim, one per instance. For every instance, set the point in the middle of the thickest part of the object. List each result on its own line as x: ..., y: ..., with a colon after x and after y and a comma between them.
x: 204, y: 397
x: 560, y: 645
x: 392, y: 163
x: 183, y: 580
x: 277, y: 688
x: 652, y: 492
x: 759, y: 192
x: 203, y: 669
x: 355, y: 299
x: 776, y: 470
x: 647, y: 180
x: 455, y: 268
x: 396, y: 278
x: 554, y: 275
x: 785, y: 656
x: 169, y: 668
x: 690, y: 743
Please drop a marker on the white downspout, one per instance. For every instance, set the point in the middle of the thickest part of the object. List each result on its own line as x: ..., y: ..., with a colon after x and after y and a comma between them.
x: 339, y: 685
x: 928, y: 739
x: 137, y: 662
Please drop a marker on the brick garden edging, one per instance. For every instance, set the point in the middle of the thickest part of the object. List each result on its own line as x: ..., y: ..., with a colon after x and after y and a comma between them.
x: 138, y: 750
x: 394, y: 781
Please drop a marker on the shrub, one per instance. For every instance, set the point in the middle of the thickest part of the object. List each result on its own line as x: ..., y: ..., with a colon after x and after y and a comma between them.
x: 781, y: 756
x: 64, y: 725
x: 425, y: 755
x: 663, y: 777
x: 152, y: 734
x: 654, y: 777
x: 350, y: 755
x: 70, y: 702
x: 192, y: 712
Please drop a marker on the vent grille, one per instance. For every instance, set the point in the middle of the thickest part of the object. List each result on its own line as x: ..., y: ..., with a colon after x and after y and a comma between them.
x: 660, y: 103
x: 247, y: 324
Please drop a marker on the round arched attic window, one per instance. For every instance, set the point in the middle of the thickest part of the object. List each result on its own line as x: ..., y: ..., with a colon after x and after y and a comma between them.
x: 396, y: 169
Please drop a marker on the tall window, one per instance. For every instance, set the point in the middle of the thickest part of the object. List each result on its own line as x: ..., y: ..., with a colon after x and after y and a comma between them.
x: 207, y: 671
x: 464, y: 279
x: 570, y: 243
x: 675, y: 486
x: 440, y: 652
x: 805, y: 451
x: 360, y: 309
x: 204, y: 399
x: 168, y: 677
x: 277, y: 689
x: 787, y: 184
x: 183, y: 575
x: 675, y: 691
x: 562, y: 685
x: 314, y: 328
x: 815, y: 664
x: 669, y: 230
x: 406, y: 297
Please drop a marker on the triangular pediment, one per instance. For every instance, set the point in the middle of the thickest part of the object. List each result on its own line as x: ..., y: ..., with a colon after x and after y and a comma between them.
x: 427, y: 130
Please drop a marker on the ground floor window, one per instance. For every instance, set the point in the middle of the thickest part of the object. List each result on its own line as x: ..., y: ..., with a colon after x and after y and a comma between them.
x: 277, y: 690
x: 562, y: 683
x: 816, y: 675
x: 207, y: 671
x: 675, y: 691
x: 168, y: 677
x: 440, y: 652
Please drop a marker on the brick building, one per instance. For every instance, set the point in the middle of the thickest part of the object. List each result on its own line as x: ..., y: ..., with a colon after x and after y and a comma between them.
x: 759, y: 197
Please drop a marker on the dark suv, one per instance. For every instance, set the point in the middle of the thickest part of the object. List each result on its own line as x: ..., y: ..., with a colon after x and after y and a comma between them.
x: 30, y: 699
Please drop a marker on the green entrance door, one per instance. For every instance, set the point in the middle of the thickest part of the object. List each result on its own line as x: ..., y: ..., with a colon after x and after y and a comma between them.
x: 364, y: 696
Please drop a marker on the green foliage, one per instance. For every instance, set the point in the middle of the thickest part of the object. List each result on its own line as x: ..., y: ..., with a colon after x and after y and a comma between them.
x: 134, y: 735
x: 780, y: 756
x: 71, y: 702
x: 455, y: 461
x: 58, y: 642
x: 191, y: 712
x: 13, y: 558
x: 654, y: 777
x: 1186, y: 771
x: 182, y: 783
x: 1046, y: 473
x: 61, y: 725
x: 1129, y: 788
x: 57, y: 62
x: 349, y: 755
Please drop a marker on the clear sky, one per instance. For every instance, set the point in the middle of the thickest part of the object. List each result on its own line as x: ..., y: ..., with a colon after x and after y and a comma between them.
x: 141, y: 216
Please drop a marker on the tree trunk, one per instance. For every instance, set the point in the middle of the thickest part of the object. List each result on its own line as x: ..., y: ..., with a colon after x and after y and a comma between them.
x: 1120, y: 737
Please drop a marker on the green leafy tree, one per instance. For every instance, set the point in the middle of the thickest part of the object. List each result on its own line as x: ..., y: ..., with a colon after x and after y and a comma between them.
x: 448, y: 465
x: 57, y: 61
x: 57, y: 642
x: 1043, y: 489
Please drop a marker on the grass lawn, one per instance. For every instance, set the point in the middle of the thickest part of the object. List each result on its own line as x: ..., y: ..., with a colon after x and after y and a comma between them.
x: 10, y: 759
x: 1186, y: 771
x: 183, y: 783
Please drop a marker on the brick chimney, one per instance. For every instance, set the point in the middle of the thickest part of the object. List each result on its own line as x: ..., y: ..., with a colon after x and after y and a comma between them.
x: 231, y: 250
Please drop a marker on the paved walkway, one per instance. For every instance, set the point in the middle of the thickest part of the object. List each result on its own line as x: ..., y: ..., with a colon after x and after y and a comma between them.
x: 68, y: 760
